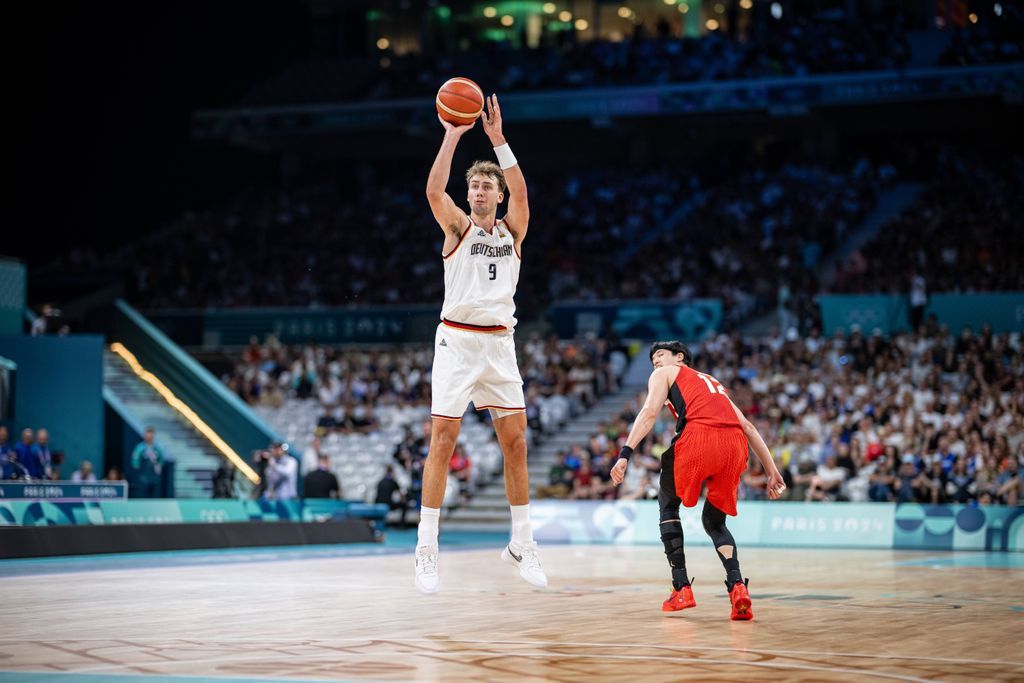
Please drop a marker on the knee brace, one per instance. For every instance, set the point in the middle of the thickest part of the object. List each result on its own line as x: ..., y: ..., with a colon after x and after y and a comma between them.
x: 714, y: 524
x: 672, y: 539
x: 672, y: 535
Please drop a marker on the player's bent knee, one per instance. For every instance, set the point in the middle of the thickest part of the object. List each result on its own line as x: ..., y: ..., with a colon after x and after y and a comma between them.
x: 713, y: 520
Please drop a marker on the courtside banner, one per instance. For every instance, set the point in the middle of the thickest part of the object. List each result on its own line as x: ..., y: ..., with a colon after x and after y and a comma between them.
x: 791, y: 524
x: 846, y: 525
x: 959, y: 527
x: 170, y: 511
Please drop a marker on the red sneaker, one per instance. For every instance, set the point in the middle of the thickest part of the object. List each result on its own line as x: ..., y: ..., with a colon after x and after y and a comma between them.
x: 680, y: 599
x: 739, y: 596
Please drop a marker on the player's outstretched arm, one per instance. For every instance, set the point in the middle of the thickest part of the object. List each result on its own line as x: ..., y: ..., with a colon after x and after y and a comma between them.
x: 518, y: 215
x: 448, y: 215
x: 657, y: 393
x: 775, y: 483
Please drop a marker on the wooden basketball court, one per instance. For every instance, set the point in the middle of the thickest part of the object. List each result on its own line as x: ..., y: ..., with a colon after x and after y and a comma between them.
x: 313, y: 615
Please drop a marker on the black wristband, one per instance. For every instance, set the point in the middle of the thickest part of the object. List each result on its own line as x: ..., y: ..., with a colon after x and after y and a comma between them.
x: 626, y: 452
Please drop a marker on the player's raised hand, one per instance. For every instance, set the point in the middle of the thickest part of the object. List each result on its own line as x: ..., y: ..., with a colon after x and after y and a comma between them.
x: 619, y: 471
x: 776, y: 487
x: 492, y: 121
x: 452, y: 129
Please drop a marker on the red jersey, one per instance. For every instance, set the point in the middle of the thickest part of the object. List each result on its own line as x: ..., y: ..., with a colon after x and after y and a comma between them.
x: 699, y: 399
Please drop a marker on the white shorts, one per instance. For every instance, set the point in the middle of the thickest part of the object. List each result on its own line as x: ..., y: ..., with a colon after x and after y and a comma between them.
x: 474, y: 366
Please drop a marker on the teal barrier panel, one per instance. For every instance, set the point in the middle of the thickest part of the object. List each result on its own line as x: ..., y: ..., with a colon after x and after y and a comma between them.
x: 860, y: 525
x: 786, y: 524
x: 234, y: 327
x: 691, y: 320
x: 12, y: 296
x: 8, y: 380
x: 886, y: 313
x: 63, y: 491
x: 781, y: 524
x: 59, y: 387
x: 225, y: 412
x: 44, y: 513
x: 787, y: 94
x: 1004, y: 311
x: 959, y: 527
x: 169, y: 511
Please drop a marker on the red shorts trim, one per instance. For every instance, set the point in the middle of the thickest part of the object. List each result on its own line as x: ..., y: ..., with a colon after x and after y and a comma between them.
x: 474, y: 328
x: 445, y: 417
x: 502, y: 408
x: 717, y: 456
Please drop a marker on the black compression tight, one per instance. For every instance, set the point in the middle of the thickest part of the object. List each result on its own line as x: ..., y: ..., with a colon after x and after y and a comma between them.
x: 725, y: 545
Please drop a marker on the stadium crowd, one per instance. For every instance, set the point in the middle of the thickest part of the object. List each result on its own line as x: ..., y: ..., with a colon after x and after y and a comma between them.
x: 32, y: 458
x: 348, y: 387
x: 962, y: 234
x: 929, y: 416
x: 649, y: 53
x: 739, y: 236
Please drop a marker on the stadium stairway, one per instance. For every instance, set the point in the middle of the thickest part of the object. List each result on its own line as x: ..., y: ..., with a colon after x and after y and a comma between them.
x: 196, y: 459
x: 891, y: 204
x: 488, y: 509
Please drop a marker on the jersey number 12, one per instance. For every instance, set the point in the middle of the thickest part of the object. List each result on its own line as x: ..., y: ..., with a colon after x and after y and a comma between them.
x: 713, y: 385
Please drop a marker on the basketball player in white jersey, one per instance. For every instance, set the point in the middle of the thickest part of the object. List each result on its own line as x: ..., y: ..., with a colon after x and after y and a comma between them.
x: 474, y: 350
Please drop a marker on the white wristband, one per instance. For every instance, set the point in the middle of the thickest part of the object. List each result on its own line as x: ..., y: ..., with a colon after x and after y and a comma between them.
x: 506, y: 159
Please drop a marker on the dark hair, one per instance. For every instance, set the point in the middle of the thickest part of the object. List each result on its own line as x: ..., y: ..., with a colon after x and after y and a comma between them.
x: 675, y: 347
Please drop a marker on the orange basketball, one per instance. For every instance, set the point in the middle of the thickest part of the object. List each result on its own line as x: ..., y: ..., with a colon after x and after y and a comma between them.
x: 459, y: 101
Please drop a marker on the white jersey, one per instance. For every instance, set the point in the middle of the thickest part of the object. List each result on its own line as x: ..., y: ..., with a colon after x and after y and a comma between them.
x: 480, y: 278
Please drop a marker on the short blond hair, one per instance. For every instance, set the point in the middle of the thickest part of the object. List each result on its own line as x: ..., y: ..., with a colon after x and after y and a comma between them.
x: 487, y: 168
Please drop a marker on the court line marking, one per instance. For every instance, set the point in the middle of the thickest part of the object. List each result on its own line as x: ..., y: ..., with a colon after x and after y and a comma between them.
x: 545, y: 643
x: 440, y: 654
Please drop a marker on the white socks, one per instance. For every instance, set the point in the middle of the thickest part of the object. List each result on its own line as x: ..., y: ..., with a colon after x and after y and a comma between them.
x: 522, y: 531
x: 427, y: 531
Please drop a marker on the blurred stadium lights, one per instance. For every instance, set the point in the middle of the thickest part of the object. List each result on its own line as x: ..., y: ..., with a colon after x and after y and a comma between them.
x: 776, y: 10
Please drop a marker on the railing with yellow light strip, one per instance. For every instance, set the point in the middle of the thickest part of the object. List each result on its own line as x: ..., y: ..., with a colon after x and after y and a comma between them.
x: 186, y: 411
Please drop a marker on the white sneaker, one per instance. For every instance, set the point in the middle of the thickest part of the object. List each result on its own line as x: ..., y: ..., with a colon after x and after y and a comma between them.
x: 427, y: 579
x: 525, y: 558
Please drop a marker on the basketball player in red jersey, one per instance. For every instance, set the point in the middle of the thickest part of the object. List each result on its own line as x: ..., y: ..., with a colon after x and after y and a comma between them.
x: 711, y: 444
